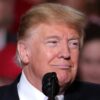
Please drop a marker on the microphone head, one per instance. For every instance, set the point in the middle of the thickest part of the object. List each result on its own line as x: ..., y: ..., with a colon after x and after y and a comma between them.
x: 50, y: 85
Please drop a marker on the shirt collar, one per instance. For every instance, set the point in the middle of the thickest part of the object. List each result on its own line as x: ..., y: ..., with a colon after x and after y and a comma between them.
x: 27, y: 91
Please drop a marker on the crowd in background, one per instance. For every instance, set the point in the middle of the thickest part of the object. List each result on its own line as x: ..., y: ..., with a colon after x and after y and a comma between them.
x: 10, y: 14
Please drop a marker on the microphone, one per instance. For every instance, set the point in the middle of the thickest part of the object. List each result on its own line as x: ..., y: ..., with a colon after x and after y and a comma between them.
x: 50, y: 86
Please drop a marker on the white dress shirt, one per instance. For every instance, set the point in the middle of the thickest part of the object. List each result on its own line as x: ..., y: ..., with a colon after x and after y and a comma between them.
x: 27, y: 91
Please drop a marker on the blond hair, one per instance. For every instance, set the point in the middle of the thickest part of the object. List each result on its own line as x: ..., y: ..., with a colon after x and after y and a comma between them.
x: 51, y: 13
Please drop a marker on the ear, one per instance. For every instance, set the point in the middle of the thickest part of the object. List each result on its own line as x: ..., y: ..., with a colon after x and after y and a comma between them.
x: 23, y: 52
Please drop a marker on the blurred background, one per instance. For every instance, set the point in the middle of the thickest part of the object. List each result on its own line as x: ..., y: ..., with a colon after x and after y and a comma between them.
x: 10, y: 14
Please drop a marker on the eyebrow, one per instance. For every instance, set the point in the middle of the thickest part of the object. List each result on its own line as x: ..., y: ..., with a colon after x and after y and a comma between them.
x: 76, y: 38
x: 52, y: 37
x: 57, y: 37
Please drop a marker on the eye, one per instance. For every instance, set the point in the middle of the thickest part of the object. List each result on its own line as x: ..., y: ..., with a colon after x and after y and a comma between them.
x: 73, y: 43
x: 52, y: 43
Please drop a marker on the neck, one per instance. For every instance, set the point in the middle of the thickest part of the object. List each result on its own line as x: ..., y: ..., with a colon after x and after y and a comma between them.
x: 32, y: 79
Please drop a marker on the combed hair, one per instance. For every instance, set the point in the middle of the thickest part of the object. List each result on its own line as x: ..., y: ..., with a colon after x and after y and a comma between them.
x: 51, y: 13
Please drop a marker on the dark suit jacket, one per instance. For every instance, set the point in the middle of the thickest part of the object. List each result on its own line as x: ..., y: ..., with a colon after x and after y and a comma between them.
x: 83, y: 91
x: 77, y: 91
x: 9, y: 92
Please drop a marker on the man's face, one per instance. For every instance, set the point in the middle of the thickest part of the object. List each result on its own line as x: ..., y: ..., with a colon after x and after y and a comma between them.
x: 53, y: 48
x: 6, y: 11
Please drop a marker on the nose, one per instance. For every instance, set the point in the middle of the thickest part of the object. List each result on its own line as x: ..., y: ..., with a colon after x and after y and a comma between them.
x: 65, y: 52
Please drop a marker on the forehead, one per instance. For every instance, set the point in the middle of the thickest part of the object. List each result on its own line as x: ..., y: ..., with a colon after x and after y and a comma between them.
x: 47, y: 30
x: 92, y: 49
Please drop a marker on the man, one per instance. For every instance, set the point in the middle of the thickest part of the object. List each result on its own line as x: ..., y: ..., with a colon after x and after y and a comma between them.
x: 49, y: 39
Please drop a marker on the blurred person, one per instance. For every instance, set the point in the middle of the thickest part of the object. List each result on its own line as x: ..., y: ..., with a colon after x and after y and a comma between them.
x: 7, y: 45
x: 89, y: 66
x: 6, y: 16
x: 93, y: 11
x: 49, y: 39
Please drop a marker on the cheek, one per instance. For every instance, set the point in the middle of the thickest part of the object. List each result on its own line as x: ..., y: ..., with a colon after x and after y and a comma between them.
x: 75, y: 57
x: 41, y: 58
x: 49, y: 54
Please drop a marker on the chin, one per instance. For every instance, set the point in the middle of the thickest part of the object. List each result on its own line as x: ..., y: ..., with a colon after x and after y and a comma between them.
x: 64, y: 84
x: 64, y: 79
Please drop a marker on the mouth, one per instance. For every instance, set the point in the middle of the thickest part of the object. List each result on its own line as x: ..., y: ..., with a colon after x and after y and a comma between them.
x: 62, y: 66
